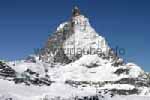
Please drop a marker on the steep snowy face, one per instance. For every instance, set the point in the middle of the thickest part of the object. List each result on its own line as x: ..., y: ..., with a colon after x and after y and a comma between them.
x: 74, y: 39
x: 84, y: 39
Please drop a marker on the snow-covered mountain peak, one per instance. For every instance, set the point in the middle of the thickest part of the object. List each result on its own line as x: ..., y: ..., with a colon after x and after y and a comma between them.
x: 75, y: 64
x: 75, y: 38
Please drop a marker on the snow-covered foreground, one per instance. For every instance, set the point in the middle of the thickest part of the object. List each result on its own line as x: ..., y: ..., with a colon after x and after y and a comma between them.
x: 129, y: 98
x: 76, y: 72
x: 23, y: 92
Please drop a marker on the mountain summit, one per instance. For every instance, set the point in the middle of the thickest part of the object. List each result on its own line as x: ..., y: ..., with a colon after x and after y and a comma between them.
x: 73, y: 39
x: 76, y: 11
x: 76, y: 63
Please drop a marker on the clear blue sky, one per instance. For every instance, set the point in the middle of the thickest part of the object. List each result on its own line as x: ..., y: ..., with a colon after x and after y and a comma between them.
x: 26, y: 24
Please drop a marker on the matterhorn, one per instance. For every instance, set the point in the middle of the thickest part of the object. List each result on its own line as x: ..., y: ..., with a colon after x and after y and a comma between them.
x: 76, y: 63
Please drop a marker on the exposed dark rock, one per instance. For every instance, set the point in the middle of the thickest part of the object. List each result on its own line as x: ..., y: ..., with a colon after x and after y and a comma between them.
x: 121, y: 71
x: 89, y: 98
x: 29, y: 77
x: 134, y: 81
x: 92, y: 65
x: 55, y: 43
x: 126, y: 81
x: 30, y: 72
x: 6, y: 71
x: 117, y: 63
x: 124, y: 92
x: 84, y: 83
x: 76, y: 57
x: 61, y: 57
